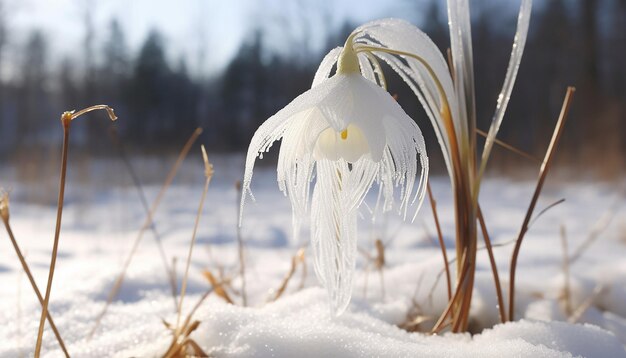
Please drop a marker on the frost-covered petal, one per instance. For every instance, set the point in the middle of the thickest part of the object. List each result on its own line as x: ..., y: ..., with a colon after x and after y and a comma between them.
x: 295, y: 162
x: 401, y: 35
x: 323, y: 71
x: 407, y: 149
x: 338, y: 193
x: 359, y: 101
x: 349, y: 133
x: 274, y: 128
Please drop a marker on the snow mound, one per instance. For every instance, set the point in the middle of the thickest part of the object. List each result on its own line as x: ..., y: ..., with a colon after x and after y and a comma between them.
x: 300, y: 326
x: 97, y: 237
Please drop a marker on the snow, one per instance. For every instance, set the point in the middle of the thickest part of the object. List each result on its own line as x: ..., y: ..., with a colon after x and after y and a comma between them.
x: 100, y: 224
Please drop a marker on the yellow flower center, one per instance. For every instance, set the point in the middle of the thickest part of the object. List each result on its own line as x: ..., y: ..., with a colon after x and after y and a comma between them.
x: 334, y: 145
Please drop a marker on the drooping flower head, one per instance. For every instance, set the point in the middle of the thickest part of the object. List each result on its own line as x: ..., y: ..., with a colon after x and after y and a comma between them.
x: 344, y: 135
x: 348, y: 133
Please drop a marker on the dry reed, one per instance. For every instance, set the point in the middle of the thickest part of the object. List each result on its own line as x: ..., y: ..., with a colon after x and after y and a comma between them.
x: 66, y: 121
x: 4, y: 213
x: 181, y: 342
x: 149, y: 219
x: 543, y: 172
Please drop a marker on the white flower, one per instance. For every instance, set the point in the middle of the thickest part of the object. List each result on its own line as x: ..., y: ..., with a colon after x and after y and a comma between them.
x: 348, y: 133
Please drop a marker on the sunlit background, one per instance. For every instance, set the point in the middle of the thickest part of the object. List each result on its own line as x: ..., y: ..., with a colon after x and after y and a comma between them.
x: 168, y: 67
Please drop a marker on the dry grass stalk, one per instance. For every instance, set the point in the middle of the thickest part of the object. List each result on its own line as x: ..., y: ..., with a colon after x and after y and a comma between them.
x: 182, y: 346
x: 443, y: 321
x: 19, y: 311
x: 208, y: 173
x: 544, y: 210
x: 414, y: 316
x: 453, y: 260
x: 543, y: 172
x: 567, y: 293
x: 297, y: 259
x: 304, y: 268
x: 242, y: 262
x: 493, y: 245
x: 378, y: 261
x: 510, y: 147
x: 442, y: 244
x: 600, y: 226
x: 428, y: 234
x: 187, y: 346
x: 462, y: 161
x: 115, y: 138
x: 4, y: 213
x: 414, y: 319
x: 66, y: 121
x: 174, y: 282
x: 218, y: 286
x: 593, y: 236
x: 580, y: 310
x: 146, y: 224
x: 494, y: 267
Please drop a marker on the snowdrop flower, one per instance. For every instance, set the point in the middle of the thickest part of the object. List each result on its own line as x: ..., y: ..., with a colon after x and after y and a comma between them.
x: 349, y: 134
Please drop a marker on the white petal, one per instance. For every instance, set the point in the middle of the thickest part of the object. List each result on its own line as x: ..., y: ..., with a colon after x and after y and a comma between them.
x: 323, y: 72
x: 295, y: 162
x: 406, y: 149
x: 415, y: 81
x: 274, y: 128
x: 338, y: 193
x: 401, y: 35
x: 326, y: 146
x: 361, y: 102
x: 359, y: 181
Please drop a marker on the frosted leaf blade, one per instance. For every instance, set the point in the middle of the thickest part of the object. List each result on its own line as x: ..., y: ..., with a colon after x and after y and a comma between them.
x: 462, y: 58
x: 523, y: 21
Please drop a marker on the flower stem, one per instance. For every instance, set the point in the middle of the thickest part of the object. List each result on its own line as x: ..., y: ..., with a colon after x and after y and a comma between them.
x: 348, y: 62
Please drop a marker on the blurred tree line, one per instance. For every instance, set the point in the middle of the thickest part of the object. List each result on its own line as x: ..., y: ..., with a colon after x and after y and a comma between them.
x: 580, y: 43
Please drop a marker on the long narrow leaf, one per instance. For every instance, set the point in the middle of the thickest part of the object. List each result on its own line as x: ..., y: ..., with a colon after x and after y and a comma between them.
x: 462, y: 59
x: 519, y: 42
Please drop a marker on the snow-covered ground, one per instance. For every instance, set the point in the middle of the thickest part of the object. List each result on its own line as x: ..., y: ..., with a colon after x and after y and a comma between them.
x: 100, y: 226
